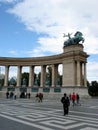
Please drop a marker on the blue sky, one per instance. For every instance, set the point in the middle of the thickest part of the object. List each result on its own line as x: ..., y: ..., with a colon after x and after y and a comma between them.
x: 32, y: 28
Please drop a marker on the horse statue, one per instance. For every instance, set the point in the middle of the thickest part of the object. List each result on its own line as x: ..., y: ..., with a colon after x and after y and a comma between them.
x: 78, y: 37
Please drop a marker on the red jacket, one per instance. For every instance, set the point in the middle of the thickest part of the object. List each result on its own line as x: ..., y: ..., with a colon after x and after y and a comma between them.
x: 73, y: 97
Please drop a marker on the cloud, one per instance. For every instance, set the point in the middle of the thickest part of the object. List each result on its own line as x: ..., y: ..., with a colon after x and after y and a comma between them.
x: 8, y: 1
x: 56, y: 17
x: 13, y: 52
x: 35, y: 52
x: 51, y: 45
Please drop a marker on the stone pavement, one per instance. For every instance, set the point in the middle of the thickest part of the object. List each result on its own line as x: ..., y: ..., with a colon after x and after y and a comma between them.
x: 27, y: 114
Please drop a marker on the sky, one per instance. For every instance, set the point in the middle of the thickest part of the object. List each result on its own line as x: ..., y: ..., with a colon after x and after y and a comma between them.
x: 33, y: 28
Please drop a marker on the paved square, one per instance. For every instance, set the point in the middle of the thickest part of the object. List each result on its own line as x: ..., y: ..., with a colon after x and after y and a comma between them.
x: 26, y: 114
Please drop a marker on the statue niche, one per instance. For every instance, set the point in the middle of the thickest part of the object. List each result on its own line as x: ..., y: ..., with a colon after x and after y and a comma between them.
x: 78, y: 37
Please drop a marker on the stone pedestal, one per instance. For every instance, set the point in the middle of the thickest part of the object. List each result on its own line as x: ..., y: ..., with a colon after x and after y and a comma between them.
x: 73, y: 64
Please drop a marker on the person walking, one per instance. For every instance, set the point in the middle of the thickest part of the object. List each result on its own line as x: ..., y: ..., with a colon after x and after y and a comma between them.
x: 7, y: 94
x: 37, y: 97
x: 73, y: 99
x: 29, y: 95
x: 40, y: 97
x: 77, y: 98
x: 66, y: 103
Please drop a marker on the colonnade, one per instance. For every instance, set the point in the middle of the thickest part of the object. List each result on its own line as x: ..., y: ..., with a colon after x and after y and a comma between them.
x: 73, y: 61
x: 77, y: 77
x: 31, y: 75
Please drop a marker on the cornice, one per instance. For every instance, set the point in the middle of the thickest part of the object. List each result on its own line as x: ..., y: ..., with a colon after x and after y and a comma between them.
x: 45, y: 60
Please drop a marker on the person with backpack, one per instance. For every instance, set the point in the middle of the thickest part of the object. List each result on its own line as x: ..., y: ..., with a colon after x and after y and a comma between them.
x: 66, y: 103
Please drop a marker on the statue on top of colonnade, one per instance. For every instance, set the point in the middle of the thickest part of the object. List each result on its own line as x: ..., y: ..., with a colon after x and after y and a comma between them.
x: 78, y: 37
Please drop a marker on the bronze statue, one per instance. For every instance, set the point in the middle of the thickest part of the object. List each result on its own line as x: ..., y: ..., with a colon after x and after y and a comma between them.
x: 74, y: 40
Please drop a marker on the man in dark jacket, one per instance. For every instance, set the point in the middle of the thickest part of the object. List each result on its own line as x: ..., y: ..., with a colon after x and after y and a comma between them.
x: 66, y: 103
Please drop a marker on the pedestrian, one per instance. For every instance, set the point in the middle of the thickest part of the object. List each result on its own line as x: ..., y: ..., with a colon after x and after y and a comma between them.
x: 40, y: 97
x: 73, y: 99
x: 66, y: 103
x: 25, y: 94
x: 15, y: 95
x: 70, y: 96
x: 7, y: 94
x: 37, y: 97
x: 29, y: 95
x: 77, y: 98
x: 11, y: 95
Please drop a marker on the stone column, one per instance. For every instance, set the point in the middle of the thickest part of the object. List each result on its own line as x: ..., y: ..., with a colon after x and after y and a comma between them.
x: 43, y: 76
x: 78, y: 74
x: 54, y: 74
x: 19, y: 76
x: 6, y: 75
x: 31, y: 76
x: 75, y: 73
x: 81, y: 74
x: 85, y: 81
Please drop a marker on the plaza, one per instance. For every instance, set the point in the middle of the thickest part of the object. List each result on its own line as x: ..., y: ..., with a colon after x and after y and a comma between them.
x: 23, y: 114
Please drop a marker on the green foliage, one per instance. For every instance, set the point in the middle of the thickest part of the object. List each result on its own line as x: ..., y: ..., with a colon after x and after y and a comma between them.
x: 93, y: 88
x: 2, y: 82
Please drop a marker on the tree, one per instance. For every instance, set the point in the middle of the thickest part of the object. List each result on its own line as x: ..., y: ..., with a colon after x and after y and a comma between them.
x: 93, y: 88
x: 2, y: 79
x: 2, y: 82
x: 94, y: 83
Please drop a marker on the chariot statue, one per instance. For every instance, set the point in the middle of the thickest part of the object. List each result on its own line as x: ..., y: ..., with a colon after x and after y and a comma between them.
x: 78, y: 37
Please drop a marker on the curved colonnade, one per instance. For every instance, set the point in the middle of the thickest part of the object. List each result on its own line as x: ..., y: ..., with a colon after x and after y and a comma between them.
x: 73, y: 60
